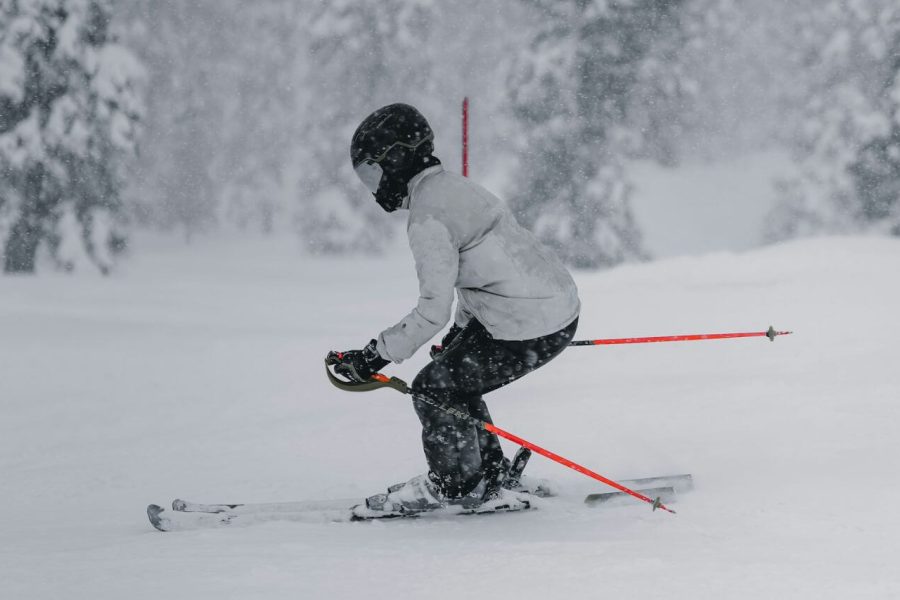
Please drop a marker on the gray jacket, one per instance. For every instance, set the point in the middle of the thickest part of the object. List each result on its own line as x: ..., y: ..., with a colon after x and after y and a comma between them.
x: 464, y: 238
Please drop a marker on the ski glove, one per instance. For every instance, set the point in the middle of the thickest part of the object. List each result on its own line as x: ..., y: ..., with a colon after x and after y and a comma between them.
x: 360, y: 365
x: 436, y: 350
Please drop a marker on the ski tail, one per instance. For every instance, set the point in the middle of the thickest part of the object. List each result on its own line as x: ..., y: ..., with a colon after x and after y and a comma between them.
x: 164, y: 520
x: 661, y: 494
x: 680, y: 483
x: 663, y: 489
x: 265, y: 507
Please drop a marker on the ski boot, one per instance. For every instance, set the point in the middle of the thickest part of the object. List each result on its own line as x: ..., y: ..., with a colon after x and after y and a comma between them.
x: 417, y: 495
x: 422, y: 494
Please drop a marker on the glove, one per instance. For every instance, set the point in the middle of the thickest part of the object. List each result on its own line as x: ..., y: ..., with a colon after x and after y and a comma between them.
x: 360, y: 365
x: 436, y: 350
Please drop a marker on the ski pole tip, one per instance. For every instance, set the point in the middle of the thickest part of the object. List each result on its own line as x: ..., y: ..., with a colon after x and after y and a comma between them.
x: 772, y: 333
x: 657, y: 503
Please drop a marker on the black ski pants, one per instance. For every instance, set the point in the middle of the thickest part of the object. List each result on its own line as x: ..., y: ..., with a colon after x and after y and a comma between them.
x: 459, y: 454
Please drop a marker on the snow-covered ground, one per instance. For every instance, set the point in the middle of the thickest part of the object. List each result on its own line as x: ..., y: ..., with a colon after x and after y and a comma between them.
x: 197, y: 372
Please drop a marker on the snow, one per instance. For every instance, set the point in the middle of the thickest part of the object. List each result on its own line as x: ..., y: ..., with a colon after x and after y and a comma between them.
x: 12, y: 74
x: 196, y: 372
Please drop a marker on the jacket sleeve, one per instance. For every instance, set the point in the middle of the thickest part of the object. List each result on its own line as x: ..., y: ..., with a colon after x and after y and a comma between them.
x: 437, y: 264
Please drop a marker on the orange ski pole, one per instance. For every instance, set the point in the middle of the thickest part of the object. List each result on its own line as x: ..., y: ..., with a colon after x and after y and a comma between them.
x: 770, y: 333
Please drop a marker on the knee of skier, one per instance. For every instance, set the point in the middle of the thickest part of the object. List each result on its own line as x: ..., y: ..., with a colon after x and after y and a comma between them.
x: 437, y: 425
x: 433, y: 379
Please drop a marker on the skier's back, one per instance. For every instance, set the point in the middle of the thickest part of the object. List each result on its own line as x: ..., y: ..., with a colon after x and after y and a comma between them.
x: 465, y: 239
x: 517, y: 305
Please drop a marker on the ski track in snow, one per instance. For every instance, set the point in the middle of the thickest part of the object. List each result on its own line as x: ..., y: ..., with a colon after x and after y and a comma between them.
x: 196, y: 372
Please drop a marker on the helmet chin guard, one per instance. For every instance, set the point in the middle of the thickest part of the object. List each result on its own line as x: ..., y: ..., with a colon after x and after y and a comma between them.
x: 391, y: 193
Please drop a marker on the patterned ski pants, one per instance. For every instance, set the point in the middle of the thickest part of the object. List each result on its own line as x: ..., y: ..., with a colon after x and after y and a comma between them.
x: 459, y: 454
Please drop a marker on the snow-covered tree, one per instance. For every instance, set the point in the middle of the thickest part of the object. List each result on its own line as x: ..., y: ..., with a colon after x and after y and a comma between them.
x: 876, y: 170
x: 222, y: 117
x: 737, y: 88
x: 69, y: 114
x: 846, y: 144
x: 185, y: 46
x: 251, y: 105
x: 363, y: 54
x: 261, y: 116
x: 580, y: 95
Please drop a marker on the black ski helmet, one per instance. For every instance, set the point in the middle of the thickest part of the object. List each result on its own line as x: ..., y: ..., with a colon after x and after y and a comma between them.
x: 389, y: 148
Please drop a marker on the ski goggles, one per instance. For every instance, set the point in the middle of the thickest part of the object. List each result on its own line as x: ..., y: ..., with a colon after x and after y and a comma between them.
x: 370, y: 174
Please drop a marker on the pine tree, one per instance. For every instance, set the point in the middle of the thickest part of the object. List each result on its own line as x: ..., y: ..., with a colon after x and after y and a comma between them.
x: 261, y: 116
x: 736, y: 87
x: 876, y: 170
x: 186, y: 47
x: 575, y: 95
x: 363, y: 55
x: 69, y: 113
x: 846, y: 142
x: 251, y: 105
x: 222, y: 110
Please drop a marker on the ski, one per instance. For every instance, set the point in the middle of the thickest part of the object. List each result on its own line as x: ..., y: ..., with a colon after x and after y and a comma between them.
x: 514, y: 482
x: 265, y: 507
x: 679, y: 483
x: 338, y: 509
x: 303, y: 506
x: 664, y: 494
x: 663, y: 488
x: 186, y: 515
x: 223, y: 515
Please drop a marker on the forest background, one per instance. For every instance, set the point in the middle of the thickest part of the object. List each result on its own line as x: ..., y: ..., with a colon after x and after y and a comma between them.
x: 195, y: 116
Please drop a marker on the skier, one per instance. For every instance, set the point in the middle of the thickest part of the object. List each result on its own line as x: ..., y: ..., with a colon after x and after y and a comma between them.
x: 517, y: 307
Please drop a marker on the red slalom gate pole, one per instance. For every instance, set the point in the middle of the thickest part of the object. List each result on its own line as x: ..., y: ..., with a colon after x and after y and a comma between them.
x: 379, y: 381
x: 465, y: 137
x: 770, y: 333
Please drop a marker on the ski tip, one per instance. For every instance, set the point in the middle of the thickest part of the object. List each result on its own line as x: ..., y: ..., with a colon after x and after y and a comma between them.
x: 153, y: 513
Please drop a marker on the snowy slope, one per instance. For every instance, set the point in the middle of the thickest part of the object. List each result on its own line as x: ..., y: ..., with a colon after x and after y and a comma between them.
x: 197, y: 373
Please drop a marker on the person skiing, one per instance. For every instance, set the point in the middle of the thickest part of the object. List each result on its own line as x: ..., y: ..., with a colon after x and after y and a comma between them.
x: 517, y: 307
